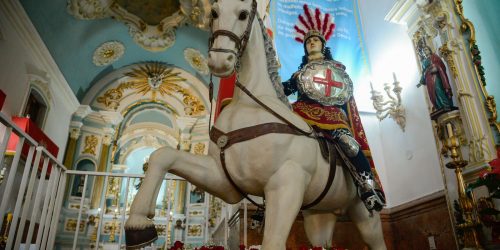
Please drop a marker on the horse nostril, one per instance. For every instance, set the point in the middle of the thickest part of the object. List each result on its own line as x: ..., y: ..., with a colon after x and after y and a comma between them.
x: 209, y: 54
x: 230, y: 57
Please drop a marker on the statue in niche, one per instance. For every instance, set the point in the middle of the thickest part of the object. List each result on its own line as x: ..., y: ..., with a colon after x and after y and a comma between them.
x: 196, y: 195
x: 436, y: 80
x: 179, y: 229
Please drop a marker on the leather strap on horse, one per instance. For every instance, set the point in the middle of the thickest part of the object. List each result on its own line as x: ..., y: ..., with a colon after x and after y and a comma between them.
x: 240, y: 42
x: 270, y: 110
x: 248, y: 133
x: 224, y: 141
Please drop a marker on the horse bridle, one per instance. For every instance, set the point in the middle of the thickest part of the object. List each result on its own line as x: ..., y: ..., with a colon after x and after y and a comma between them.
x: 240, y: 41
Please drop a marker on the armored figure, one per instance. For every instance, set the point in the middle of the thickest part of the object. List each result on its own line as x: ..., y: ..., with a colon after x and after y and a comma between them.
x: 325, y: 101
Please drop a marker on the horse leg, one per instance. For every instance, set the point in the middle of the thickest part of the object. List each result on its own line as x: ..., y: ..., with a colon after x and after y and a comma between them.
x: 319, y: 227
x: 202, y: 171
x: 152, y: 206
x: 284, y: 195
x: 368, y: 226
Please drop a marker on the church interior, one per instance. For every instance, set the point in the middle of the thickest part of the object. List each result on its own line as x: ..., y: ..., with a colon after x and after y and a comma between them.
x: 89, y: 89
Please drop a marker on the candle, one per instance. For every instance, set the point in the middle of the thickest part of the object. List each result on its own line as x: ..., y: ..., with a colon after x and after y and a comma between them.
x: 394, y: 76
x: 450, y: 130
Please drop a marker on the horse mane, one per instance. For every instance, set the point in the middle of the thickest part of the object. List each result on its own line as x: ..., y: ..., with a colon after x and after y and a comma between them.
x: 273, y: 65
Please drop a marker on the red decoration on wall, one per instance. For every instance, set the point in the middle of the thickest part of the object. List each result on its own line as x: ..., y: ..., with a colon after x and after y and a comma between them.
x: 2, y: 99
x: 37, y: 134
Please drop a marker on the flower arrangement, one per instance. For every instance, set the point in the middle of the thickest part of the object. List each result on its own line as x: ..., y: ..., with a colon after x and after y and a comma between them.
x: 487, y: 211
x: 180, y: 246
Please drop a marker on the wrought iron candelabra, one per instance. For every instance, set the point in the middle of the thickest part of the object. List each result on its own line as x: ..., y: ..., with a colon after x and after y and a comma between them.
x: 393, y: 107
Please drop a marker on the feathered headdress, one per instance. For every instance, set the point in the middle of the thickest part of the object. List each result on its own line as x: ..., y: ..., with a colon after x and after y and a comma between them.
x: 313, y: 24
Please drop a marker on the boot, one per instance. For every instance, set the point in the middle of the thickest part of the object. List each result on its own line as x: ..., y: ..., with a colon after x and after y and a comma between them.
x: 374, y: 199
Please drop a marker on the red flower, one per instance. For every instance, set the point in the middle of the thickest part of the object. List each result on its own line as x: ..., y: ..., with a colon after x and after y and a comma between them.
x: 303, y: 248
x: 495, y: 169
x: 242, y: 247
x: 177, y: 246
x: 317, y: 248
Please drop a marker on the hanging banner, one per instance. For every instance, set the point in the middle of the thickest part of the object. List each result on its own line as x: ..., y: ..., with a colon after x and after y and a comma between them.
x: 346, y: 42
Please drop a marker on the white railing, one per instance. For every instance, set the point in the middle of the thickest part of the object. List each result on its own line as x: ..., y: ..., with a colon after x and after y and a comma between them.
x: 29, y: 192
x: 100, y: 211
x: 28, y: 198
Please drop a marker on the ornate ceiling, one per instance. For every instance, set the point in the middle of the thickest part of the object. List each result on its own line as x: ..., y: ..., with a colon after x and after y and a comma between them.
x: 89, y: 39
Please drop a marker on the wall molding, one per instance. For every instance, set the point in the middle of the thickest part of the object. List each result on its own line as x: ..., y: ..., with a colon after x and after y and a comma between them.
x: 35, y: 47
x: 415, y: 207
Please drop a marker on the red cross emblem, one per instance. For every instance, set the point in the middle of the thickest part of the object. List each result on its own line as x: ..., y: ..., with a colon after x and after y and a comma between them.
x: 329, y: 82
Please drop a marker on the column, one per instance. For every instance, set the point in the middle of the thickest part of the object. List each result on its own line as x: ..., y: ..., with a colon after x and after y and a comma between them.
x: 71, y: 149
x: 103, y: 162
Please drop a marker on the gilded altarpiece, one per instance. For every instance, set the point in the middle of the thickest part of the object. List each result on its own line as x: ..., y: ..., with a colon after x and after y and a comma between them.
x: 465, y: 136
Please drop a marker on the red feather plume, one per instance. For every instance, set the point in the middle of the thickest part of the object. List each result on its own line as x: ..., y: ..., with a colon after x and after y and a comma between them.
x: 299, y: 30
x: 318, y: 21
x: 330, y: 31
x: 325, y: 23
x: 301, y: 19
x: 313, y: 20
x: 308, y: 15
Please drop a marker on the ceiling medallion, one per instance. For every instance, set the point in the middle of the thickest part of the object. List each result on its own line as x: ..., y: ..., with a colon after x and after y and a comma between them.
x: 151, y: 23
x: 108, y: 53
x: 196, y: 60
x: 153, y: 78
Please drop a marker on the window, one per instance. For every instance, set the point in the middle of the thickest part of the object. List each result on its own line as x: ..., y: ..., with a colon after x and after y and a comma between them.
x: 36, y: 108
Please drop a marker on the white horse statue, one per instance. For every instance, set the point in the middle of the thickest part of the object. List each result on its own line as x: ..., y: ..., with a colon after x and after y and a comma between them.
x: 287, y: 168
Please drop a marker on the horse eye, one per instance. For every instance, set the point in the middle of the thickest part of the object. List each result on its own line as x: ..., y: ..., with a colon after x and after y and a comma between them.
x: 214, y: 14
x: 243, y: 15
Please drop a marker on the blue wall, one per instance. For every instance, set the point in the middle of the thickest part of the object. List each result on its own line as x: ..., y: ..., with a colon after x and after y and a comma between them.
x: 484, y: 14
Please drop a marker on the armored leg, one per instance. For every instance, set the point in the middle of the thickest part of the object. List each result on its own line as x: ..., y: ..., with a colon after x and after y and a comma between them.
x: 372, y: 197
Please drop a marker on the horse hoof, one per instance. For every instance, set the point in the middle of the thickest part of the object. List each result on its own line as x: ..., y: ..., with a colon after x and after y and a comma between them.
x: 137, y: 238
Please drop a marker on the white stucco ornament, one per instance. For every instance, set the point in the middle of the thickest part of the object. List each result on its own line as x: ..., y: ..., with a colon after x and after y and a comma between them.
x: 196, y: 60
x: 108, y: 53
x: 152, y: 35
x: 89, y: 9
x: 152, y: 39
